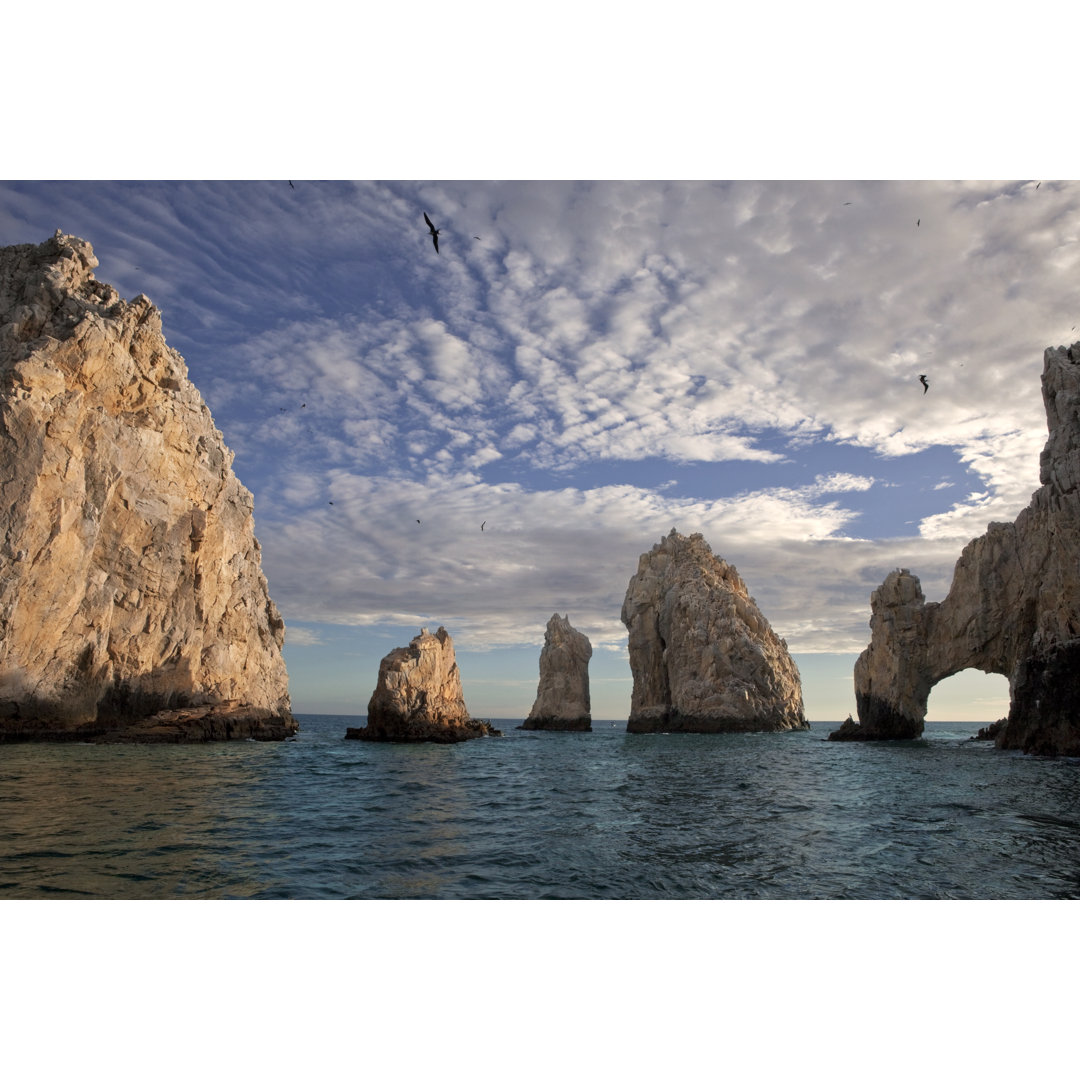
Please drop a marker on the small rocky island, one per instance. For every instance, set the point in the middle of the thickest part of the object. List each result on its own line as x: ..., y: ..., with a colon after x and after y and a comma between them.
x: 562, y: 696
x: 1013, y: 608
x: 418, y: 697
x: 704, y: 658
x: 133, y: 606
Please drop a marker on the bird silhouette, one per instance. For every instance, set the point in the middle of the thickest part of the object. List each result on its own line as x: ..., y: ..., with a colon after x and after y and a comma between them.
x: 918, y: 223
x: 482, y: 524
x: 434, y: 233
x: 925, y: 384
x: 417, y: 521
x: 1038, y: 185
x: 291, y: 185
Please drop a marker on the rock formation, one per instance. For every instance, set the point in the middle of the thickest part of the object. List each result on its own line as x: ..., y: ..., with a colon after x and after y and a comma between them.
x: 703, y: 656
x: 562, y: 697
x: 418, y: 697
x: 1013, y: 607
x: 132, y: 600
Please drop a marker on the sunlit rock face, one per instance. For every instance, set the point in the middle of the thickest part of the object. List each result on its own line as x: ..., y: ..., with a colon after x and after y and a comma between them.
x: 418, y: 697
x: 132, y: 600
x: 1013, y: 608
x: 562, y: 696
x: 704, y: 658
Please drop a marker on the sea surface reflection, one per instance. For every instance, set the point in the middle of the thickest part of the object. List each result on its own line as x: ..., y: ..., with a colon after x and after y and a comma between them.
x: 540, y: 815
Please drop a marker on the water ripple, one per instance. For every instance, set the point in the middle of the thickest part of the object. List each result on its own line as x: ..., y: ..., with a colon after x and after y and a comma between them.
x: 539, y: 816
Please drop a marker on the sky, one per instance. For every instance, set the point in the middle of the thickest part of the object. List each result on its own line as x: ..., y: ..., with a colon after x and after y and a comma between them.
x: 582, y: 367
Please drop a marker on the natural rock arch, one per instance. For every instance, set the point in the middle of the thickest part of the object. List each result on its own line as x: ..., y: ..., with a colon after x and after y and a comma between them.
x: 1013, y: 608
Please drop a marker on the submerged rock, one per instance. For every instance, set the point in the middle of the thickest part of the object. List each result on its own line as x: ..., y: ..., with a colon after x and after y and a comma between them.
x: 418, y: 697
x: 1013, y: 608
x: 703, y: 656
x: 132, y: 600
x: 562, y: 696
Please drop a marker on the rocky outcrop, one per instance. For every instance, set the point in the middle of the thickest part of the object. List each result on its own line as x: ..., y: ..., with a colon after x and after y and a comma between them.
x: 418, y: 697
x: 703, y: 656
x: 562, y: 696
x: 132, y: 600
x: 1013, y: 607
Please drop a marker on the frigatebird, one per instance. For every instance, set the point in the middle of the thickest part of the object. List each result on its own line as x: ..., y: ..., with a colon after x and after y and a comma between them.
x: 434, y: 233
x: 925, y: 384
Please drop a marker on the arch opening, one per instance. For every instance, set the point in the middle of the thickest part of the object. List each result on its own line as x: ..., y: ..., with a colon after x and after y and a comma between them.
x: 969, y: 696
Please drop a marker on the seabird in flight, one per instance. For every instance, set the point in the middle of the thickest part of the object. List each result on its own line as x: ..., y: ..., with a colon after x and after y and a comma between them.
x: 925, y: 384
x: 482, y: 524
x: 434, y: 233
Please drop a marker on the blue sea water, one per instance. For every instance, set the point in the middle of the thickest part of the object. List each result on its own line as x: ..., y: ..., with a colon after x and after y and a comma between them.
x: 538, y: 815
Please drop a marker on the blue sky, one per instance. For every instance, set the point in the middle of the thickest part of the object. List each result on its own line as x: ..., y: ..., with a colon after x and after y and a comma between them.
x: 606, y: 362
x: 584, y: 365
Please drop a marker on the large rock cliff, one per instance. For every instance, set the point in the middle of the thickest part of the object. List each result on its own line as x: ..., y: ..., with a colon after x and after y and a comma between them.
x: 562, y: 696
x: 132, y: 600
x: 1013, y: 607
x: 703, y: 656
x: 418, y: 697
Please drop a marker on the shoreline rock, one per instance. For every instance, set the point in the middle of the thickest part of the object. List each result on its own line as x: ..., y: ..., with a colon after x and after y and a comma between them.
x: 1013, y: 608
x: 131, y: 585
x: 703, y: 657
x: 562, y: 696
x: 418, y: 696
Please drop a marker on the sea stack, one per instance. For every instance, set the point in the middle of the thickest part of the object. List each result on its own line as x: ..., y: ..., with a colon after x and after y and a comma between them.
x: 132, y: 601
x: 704, y: 658
x: 418, y: 697
x: 1013, y: 608
x: 562, y: 697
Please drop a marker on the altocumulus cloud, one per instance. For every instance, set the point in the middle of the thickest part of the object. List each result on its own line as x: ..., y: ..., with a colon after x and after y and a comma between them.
x: 609, y: 361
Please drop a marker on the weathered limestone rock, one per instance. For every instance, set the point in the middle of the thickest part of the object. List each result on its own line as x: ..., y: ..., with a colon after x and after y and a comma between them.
x: 418, y: 697
x: 1013, y: 607
x: 703, y: 656
x: 562, y: 697
x: 132, y: 600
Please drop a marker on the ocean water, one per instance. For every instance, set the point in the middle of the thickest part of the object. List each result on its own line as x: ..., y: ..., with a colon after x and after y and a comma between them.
x: 540, y: 815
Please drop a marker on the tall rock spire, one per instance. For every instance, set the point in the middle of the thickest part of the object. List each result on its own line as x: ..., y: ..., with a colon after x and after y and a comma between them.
x: 562, y: 696
x: 132, y: 600
x: 703, y: 656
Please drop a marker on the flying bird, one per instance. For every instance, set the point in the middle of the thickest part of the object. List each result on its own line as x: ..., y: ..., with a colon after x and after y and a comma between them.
x: 417, y: 521
x: 846, y: 204
x: 925, y: 384
x: 482, y: 524
x: 918, y: 223
x: 434, y: 233
x: 291, y: 185
x: 1038, y: 185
